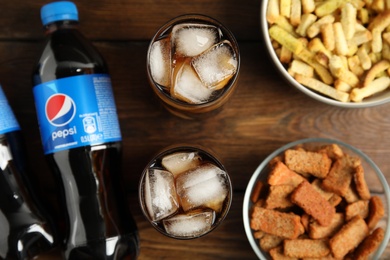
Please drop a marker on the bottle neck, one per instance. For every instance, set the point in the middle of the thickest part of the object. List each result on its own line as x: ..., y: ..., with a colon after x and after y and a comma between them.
x: 58, y: 25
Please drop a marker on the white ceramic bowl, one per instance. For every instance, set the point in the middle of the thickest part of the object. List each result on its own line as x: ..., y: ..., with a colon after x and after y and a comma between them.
x: 378, y: 99
x: 375, y: 179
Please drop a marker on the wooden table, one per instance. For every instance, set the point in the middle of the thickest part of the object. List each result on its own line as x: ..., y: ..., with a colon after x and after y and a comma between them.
x: 263, y: 114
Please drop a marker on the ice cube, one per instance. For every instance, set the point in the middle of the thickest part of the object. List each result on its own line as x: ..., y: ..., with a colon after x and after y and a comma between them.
x: 191, y: 224
x: 187, y: 86
x: 192, y: 39
x: 160, y: 62
x: 205, y: 186
x: 217, y: 65
x: 160, y: 194
x: 180, y: 162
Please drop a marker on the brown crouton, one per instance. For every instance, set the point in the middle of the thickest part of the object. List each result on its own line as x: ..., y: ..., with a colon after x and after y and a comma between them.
x: 357, y: 208
x: 282, y: 175
x: 332, y: 150
x: 267, y: 242
x: 339, y: 177
x: 317, y: 231
x: 305, y: 248
x: 306, y: 162
x: 287, y: 225
x: 258, y: 234
x: 351, y: 195
x: 305, y: 220
x: 257, y: 191
x: 335, y: 200
x: 275, y: 160
x: 328, y: 257
x: 376, y: 211
x: 277, y: 254
x: 361, y: 184
x: 318, y: 187
x: 259, y: 203
x: 370, y: 244
x: 279, y: 197
x: 349, y: 237
x: 306, y: 197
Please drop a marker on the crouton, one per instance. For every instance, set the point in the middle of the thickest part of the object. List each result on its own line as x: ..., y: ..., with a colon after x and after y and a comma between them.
x: 305, y: 248
x: 370, y: 244
x: 278, y: 197
x: 305, y: 220
x: 357, y: 208
x: 282, y: 175
x: 267, y: 242
x: 339, y: 178
x: 306, y: 197
x: 351, y: 195
x: 376, y: 211
x: 286, y: 225
x: 335, y: 200
x: 316, y: 231
x: 349, y: 237
x: 258, y: 189
x: 306, y: 162
x: 278, y: 254
x: 258, y: 234
x: 361, y: 184
x: 332, y: 150
x: 318, y: 187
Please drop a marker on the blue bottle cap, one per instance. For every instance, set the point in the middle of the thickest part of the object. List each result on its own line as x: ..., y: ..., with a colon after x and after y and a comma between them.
x: 59, y: 11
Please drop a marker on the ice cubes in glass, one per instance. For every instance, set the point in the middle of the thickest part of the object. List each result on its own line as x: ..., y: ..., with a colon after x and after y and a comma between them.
x: 189, y: 224
x: 190, y: 40
x: 160, y: 194
x: 205, y: 186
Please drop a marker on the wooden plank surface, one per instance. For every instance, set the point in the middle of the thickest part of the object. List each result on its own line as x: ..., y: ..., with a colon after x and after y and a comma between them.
x: 263, y: 114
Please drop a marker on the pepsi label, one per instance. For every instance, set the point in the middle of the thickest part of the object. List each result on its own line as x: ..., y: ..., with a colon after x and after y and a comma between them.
x: 76, y: 111
x: 8, y: 122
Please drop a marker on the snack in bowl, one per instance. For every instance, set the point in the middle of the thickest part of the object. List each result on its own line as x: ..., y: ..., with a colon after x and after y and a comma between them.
x: 345, y: 43
x: 315, y: 209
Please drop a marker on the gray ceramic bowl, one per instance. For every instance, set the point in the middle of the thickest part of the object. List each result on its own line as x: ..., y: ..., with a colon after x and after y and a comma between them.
x: 378, y: 99
x: 375, y: 179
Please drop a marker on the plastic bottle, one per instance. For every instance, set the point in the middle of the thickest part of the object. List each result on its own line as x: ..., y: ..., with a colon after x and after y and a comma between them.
x: 23, y: 232
x: 82, y: 140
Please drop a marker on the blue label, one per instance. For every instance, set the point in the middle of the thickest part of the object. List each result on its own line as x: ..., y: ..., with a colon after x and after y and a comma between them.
x: 76, y: 111
x: 8, y: 122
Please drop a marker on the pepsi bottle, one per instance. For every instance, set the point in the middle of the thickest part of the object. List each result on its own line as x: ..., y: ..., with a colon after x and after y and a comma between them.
x: 23, y: 232
x: 82, y: 140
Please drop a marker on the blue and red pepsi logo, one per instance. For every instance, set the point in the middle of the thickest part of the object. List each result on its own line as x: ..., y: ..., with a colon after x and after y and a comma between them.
x: 60, y: 109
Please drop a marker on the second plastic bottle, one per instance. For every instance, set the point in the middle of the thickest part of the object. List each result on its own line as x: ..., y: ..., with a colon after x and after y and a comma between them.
x: 82, y: 139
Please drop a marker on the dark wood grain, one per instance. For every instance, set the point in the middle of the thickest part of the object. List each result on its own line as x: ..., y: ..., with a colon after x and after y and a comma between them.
x: 263, y: 114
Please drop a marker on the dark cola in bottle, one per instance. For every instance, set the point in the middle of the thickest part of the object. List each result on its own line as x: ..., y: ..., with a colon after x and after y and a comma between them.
x: 82, y: 140
x: 23, y: 232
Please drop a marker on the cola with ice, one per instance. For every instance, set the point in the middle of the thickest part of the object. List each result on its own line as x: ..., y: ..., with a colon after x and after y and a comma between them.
x: 185, y: 192
x: 193, y: 64
x: 24, y: 233
x: 82, y: 140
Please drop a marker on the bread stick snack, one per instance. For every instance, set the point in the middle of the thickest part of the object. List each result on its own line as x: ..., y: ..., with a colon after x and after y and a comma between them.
x: 306, y: 197
x: 349, y: 237
x: 286, y: 225
x: 316, y: 208
x: 302, y: 248
x: 353, y: 30
x: 370, y: 244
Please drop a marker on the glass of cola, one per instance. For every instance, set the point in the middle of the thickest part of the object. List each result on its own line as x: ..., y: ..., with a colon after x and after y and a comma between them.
x: 193, y: 63
x: 185, y: 192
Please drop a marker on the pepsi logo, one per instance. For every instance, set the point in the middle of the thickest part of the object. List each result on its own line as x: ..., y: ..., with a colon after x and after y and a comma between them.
x: 60, y: 109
